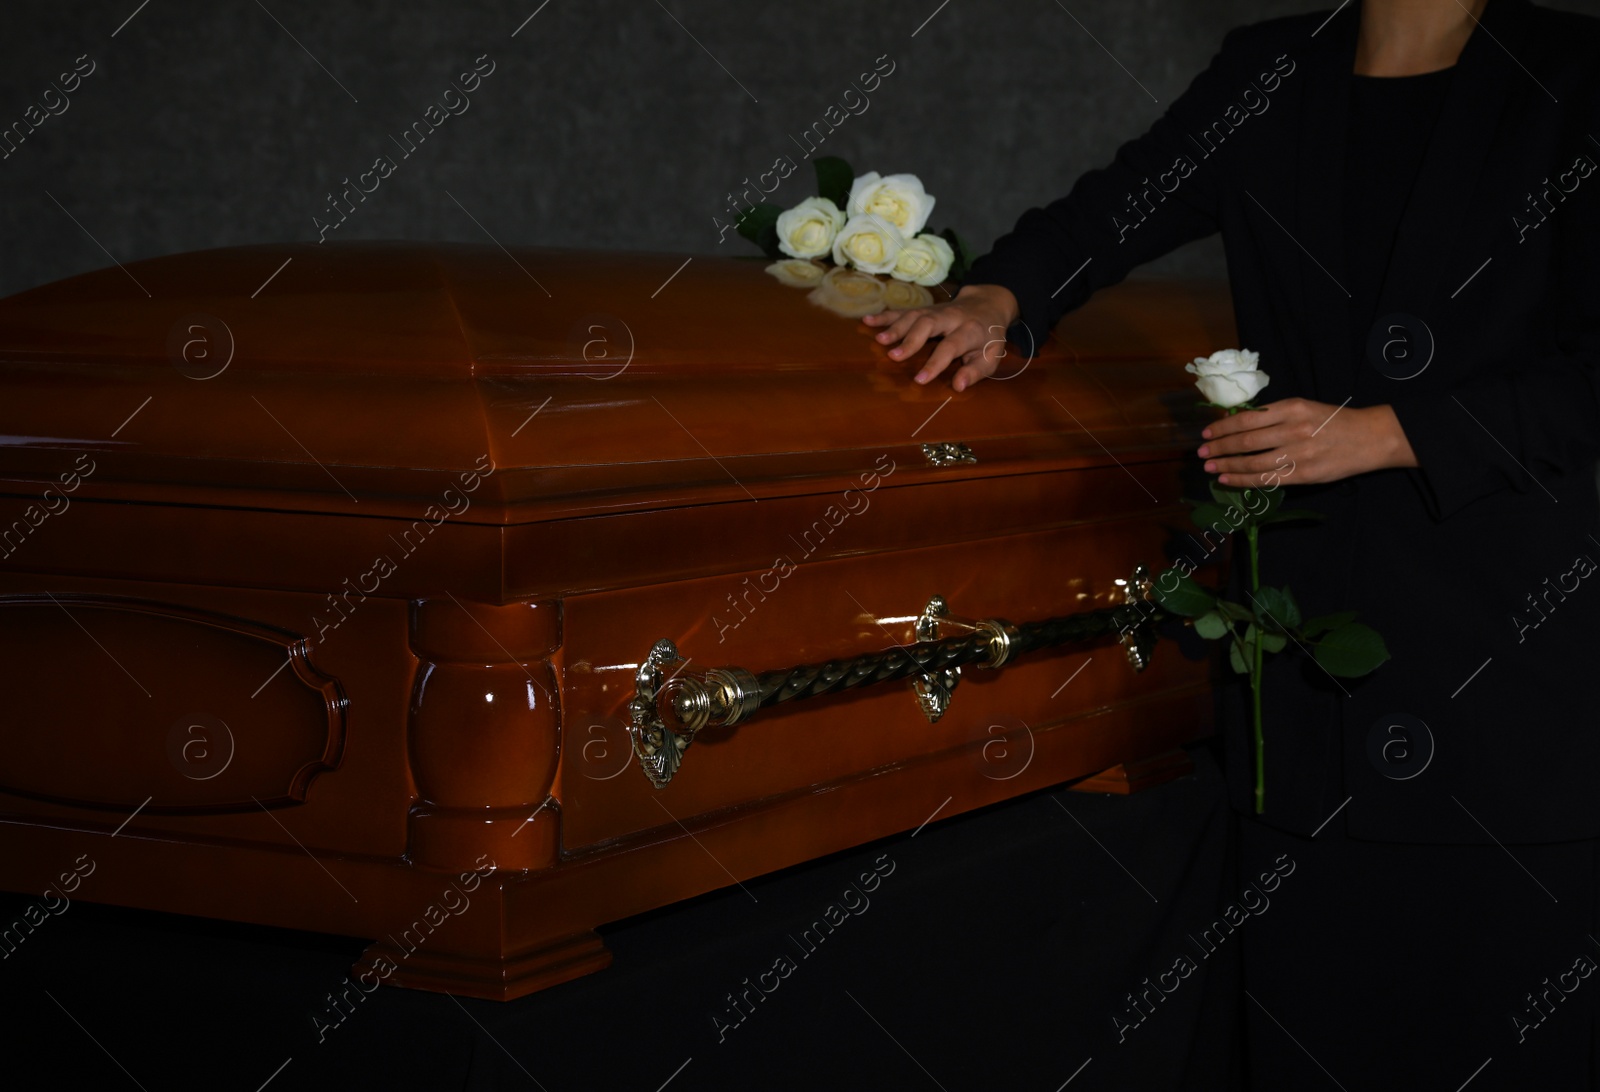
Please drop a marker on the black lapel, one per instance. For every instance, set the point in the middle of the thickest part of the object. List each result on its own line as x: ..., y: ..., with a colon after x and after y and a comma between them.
x: 1430, y: 259
x: 1318, y: 219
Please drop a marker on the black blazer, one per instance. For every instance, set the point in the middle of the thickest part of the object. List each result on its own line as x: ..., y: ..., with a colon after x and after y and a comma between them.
x: 1481, y: 568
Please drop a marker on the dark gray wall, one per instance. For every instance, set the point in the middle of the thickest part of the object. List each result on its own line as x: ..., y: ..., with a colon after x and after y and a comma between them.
x: 605, y: 123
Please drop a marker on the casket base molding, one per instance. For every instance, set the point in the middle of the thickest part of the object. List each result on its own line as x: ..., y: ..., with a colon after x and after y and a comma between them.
x: 489, y: 978
x: 523, y: 931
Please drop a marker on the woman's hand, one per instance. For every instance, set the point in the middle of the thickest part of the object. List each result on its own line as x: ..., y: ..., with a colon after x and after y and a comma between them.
x: 1319, y: 442
x: 972, y: 328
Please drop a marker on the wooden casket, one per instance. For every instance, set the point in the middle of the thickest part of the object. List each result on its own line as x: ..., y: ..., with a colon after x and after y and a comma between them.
x: 380, y: 589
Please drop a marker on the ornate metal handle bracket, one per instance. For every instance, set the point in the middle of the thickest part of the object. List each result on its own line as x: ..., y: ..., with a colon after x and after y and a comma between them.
x: 725, y: 696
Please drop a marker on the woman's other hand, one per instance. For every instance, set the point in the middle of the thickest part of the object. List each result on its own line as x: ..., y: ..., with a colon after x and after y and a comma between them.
x: 1313, y: 441
x: 971, y: 328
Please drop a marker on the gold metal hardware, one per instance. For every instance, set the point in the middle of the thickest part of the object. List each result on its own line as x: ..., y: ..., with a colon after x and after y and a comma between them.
x: 1138, y: 640
x: 948, y: 454
x: 725, y: 696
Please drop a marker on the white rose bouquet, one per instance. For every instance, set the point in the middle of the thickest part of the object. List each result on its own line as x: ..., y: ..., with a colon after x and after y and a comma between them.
x: 1342, y: 646
x: 872, y: 223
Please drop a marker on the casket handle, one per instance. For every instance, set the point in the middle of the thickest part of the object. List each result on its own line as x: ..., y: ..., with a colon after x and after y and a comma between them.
x: 725, y: 696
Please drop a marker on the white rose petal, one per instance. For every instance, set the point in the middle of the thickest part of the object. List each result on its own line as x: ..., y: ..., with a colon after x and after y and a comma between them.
x: 1231, y: 390
x: 924, y: 260
x: 898, y: 199
x: 1225, y: 362
x: 1228, y: 377
x: 849, y: 293
x: 808, y: 229
x: 798, y: 273
x: 868, y: 243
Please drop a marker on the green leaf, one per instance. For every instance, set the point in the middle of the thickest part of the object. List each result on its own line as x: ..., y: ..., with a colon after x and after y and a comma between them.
x: 1235, y: 611
x: 1278, y: 609
x: 1207, y: 516
x: 1265, y: 501
x: 963, y: 253
x: 1256, y: 504
x: 834, y: 178
x: 1186, y: 597
x: 1291, y: 609
x: 1351, y: 650
x: 760, y: 226
x: 1284, y: 515
x: 1315, y: 627
x: 1225, y: 495
x: 1211, y: 625
x: 1236, y: 658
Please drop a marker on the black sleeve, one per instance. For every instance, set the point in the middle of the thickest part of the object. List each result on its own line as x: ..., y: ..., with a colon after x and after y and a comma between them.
x: 1504, y: 433
x: 1535, y: 413
x: 1157, y: 194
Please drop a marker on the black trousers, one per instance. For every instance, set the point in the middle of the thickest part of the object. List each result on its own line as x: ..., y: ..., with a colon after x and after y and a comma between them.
x: 1383, y: 965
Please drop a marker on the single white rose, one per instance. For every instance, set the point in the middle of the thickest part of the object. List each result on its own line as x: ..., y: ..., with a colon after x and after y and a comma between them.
x: 849, y: 293
x: 797, y: 272
x: 903, y: 296
x: 869, y: 243
x: 924, y: 260
x: 898, y: 199
x: 807, y: 230
x: 1229, y: 377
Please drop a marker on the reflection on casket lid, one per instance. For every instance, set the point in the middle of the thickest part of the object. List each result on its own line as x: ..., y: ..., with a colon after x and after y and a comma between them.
x: 595, y: 380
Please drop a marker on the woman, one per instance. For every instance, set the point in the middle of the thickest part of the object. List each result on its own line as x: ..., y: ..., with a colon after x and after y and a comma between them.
x: 1407, y: 195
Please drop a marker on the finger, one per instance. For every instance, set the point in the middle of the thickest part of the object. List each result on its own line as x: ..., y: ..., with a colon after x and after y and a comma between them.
x: 1250, y: 437
x: 1306, y: 474
x: 1257, y: 439
x: 975, y: 365
x: 901, y: 325
x: 1244, y: 469
x: 942, y: 357
x: 927, y: 325
x: 890, y: 319
x: 1244, y: 421
x: 955, y: 346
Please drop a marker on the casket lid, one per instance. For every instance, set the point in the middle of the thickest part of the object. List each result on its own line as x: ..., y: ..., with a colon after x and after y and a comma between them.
x: 358, y: 377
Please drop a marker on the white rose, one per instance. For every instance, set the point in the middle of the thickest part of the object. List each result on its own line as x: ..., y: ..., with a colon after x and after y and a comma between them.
x: 797, y: 273
x: 903, y: 296
x: 869, y: 243
x: 899, y: 199
x: 849, y: 293
x: 1228, y: 378
x: 807, y: 230
x: 924, y: 260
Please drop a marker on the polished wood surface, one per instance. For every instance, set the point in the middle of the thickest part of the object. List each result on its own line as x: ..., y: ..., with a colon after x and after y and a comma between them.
x: 366, y: 377
x: 310, y: 637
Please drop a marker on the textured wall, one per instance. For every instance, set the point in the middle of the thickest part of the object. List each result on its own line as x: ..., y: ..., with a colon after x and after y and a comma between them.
x: 605, y: 123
